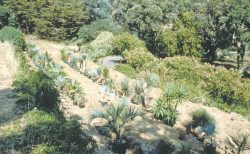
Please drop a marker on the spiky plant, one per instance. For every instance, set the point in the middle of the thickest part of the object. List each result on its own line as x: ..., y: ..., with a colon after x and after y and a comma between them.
x: 239, y: 143
x: 105, y: 73
x: 64, y: 56
x: 138, y: 87
x: 170, y: 116
x: 152, y: 79
x: 99, y: 71
x: 165, y: 146
x: 125, y: 88
x: 73, y: 62
x: 110, y: 83
x: 181, y: 94
x: 159, y: 108
x: 163, y: 111
x: 185, y: 147
x: 118, y: 116
x: 175, y: 93
x: 200, y: 117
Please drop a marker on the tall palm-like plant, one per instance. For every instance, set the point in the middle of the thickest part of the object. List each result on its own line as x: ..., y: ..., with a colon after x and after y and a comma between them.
x: 118, y: 116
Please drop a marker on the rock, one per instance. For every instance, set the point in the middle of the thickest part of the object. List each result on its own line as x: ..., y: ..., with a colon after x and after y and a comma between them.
x: 99, y: 122
x: 198, y: 130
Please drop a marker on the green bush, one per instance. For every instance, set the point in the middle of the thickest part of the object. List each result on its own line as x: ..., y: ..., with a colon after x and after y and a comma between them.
x: 13, y: 35
x: 127, y: 70
x: 163, y: 111
x: 125, y: 42
x: 214, y: 86
x: 43, y: 149
x: 36, y: 88
x: 100, y: 47
x: 226, y: 86
x: 88, y: 33
x: 138, y: 57
x: 48, y: 133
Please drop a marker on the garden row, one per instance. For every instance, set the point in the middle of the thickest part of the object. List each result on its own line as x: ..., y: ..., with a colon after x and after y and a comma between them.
x: 41, y: 128
x: 215, y: 86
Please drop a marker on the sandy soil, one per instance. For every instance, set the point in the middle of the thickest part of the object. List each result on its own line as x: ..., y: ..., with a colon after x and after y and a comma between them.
x: 144, y: 130
x: 7, y: 103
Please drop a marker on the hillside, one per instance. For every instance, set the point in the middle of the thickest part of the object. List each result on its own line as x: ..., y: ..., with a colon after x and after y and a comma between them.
x: 124, y: 76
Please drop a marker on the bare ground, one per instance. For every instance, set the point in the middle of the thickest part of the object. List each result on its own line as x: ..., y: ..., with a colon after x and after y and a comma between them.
x: 7, y: 103
x: 144, y: 130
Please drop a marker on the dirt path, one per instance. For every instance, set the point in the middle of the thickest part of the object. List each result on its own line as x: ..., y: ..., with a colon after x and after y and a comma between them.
x: 145, y: 130
x: 7, y: 103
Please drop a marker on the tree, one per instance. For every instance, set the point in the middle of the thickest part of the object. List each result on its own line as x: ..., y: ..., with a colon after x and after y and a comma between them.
x: 24, y: 11
x: 182, y: 38
x: 57, y: 19
x: 4, y: 15
x: 101, y: 9
x: 227, y: 26
x: 64, y: 22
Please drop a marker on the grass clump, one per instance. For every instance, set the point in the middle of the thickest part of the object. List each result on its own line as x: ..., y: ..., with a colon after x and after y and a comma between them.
x: 36, y: 89
x: 43, y: 132
x: 127, y: 70
x: 43, y: 149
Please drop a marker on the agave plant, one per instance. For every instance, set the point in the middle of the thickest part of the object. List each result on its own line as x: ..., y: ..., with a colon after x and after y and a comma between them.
x: 239, y: 143
x: 110, y: 83
x: 105, y: 73
x: 175, y: 93
x: 73, y: 62
x: 162, y: 111
x: 118, y: 116
x: 152, y: 79
x: 138, y: 88
x: 125, y: 88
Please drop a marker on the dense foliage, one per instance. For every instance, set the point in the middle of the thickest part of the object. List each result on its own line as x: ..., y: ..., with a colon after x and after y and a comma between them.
x: 37, y: 16
x: 13, y: 35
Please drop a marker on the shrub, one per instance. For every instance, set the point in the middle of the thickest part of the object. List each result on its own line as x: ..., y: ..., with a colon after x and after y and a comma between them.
x: 208, y: 84
x: 88, y: 33
x: 138, y: 57
x: 226, y: 86
x: 125, y: 42
x: 127, y: 70
x: 13, y: 35
x: 44, y: 127
x: 164, y: 112
x: 36, y: 88
x: 200, y: 117
x: 43, y: 149
x: 100, y: 47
